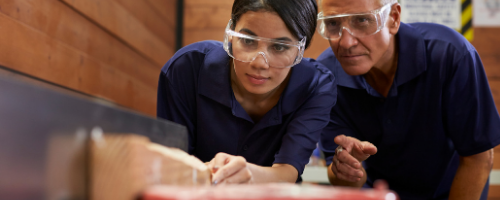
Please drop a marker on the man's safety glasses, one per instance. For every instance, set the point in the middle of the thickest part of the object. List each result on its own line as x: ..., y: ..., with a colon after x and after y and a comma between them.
x: 276, y: 52
x: 357, y: 24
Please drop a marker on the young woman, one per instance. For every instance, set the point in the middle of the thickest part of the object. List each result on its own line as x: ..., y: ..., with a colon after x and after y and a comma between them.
x: 254, y: 109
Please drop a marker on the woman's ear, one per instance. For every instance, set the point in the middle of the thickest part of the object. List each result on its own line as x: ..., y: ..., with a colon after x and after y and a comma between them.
x: 394, y: 19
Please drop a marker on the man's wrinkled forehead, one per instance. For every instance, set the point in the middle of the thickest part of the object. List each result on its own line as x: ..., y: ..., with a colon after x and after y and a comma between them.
x: 335, y: 7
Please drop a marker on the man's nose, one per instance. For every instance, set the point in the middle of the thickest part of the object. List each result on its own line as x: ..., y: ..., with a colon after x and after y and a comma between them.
x: 347, y: 40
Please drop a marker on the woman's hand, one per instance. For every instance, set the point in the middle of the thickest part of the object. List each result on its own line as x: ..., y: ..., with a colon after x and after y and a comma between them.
x: 229, y: 169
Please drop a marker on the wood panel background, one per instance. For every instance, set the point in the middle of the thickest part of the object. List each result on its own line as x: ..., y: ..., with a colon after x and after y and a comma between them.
x: 206, y: 20
x: 111, y: 49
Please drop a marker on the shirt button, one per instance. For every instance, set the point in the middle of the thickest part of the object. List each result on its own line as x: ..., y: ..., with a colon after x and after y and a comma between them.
x: 389, y: 121
x: 245, y: 147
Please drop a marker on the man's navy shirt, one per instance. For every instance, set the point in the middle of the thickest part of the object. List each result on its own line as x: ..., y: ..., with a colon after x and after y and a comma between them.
x: 439, y: 107
x: 195, y: 91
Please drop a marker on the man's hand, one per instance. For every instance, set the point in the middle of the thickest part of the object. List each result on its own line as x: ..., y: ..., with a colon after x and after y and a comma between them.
x: 229, y: 169
x: 346, y: 165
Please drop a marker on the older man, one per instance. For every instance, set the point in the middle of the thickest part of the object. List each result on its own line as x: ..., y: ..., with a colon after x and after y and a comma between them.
x: 415, y: 94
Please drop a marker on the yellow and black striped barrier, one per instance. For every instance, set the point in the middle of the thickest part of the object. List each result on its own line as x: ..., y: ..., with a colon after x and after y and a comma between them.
x: 467, y: 30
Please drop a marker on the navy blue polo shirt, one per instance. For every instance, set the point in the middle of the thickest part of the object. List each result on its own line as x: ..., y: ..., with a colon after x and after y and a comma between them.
x: 195, y: 91
x: 438, y: 108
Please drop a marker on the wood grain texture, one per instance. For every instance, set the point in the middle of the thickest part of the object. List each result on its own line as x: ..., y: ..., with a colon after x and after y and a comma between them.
x: 123, y: 165
x: 33, y: 52
x: 494, y: 192
x: 147, y: 15
x: 114, y: 18
x: 49, y: 40
x: 167, y: 9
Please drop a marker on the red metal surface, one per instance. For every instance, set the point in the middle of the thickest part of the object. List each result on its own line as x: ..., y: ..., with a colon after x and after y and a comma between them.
x: 275, y: 191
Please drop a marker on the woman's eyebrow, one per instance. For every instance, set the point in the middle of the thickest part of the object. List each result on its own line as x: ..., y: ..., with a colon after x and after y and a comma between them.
x: 249, y: 32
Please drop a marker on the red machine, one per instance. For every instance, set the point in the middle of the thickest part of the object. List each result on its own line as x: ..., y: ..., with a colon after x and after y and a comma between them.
x: 279, y: 191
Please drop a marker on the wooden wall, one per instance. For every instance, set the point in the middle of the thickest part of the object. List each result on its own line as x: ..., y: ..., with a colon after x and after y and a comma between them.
x: 486, y: 41
x: 206, y: 20
x: 111, y: 49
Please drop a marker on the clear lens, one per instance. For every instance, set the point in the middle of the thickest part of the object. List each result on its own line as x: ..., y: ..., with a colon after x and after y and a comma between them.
x: 358, y: 25
x: 277, y: 53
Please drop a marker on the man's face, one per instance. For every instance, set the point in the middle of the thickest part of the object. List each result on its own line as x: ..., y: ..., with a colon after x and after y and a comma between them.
x: 358, y: 55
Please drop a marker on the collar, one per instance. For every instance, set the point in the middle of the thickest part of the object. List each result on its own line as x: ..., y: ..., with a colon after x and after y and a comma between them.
x: 411, y: 62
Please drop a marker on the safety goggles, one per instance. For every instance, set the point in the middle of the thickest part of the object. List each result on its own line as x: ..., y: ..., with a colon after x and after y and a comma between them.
x: 276, y: 53
x: 358, y: 24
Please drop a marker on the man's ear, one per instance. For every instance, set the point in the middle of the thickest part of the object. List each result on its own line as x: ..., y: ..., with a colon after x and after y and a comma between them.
x: 394, y: 19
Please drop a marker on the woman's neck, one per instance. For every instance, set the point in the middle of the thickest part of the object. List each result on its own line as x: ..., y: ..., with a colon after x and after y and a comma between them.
x: 256, y: 105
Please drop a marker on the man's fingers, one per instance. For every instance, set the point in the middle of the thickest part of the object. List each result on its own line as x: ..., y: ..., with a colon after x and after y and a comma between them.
x: 368, y: 148
x: 233, y: 165
x: 364, y: 150
x: 344, y: 172
x: 346, y: 158
x: 344, y: 142
x: 347, y: 170
x: 343, y: 176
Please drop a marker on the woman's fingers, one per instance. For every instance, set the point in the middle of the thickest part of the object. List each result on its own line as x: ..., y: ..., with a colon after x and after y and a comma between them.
x: 218, y: 161
x: 242, y: 176
x: 228, y: 166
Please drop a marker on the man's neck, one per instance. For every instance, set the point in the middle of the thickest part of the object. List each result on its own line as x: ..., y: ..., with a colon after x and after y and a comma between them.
x: 381, y: 76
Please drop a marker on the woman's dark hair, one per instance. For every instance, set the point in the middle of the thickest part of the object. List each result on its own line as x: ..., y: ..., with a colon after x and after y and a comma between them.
x: 299, y: 15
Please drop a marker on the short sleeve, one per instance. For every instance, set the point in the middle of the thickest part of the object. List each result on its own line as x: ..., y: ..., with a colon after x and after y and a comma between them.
x: 305, y: 127
x: 470, y: 116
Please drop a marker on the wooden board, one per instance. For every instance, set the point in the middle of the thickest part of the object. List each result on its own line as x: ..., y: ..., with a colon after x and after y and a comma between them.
x: 494, y: 192
x: 60, y: 22
x: 202, y: 17
x: 146, y: 14
x: 167, y: 9
x: 123, y: 165
x: 114, y: 18
x: 32, y: 52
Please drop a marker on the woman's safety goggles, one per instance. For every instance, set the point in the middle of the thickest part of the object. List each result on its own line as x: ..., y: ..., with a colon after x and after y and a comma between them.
x: 276, y: 53
x: 358, y: 24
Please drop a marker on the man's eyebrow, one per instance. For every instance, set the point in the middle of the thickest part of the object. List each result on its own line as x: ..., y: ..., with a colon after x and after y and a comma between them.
x: 249, y: 32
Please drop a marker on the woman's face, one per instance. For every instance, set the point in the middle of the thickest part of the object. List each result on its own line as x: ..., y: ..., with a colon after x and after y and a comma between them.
x: 256, y: 76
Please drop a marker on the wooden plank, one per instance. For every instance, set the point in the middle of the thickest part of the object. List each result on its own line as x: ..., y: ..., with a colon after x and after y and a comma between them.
x: 147, y: 15
x: 491, y: 63
x: 62, y: 23
x: 124, y: 165
x: 32, y: 52
x: 217, y: 3
x: 494, y: 192
x: 117, y: 20
x: 192, y: 36
x: 202, y: 17
x: 167, y: 9
x: 486, y: 40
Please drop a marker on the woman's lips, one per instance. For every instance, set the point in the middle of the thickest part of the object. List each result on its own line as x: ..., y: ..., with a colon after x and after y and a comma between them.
x: 257, y: 80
